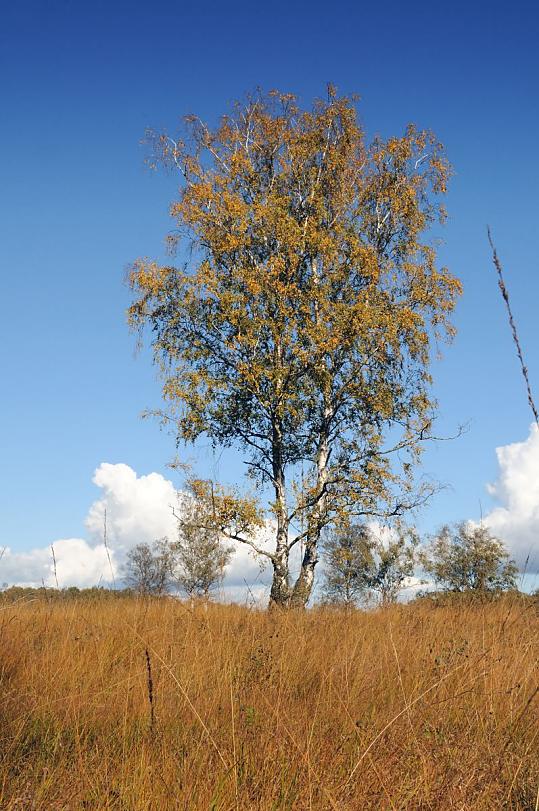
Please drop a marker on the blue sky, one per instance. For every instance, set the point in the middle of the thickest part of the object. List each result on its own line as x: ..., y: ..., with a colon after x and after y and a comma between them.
x: 79, y: 84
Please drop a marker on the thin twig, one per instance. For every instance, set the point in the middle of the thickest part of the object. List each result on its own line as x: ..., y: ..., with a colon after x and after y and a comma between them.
x: 150, y: 688
x: 505, y: 294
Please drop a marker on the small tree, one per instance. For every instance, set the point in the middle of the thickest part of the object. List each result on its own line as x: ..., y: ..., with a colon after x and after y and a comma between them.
x: 200, y: 556
x: 467, y: 558
x: 393, y: 562
x: 359, y: 562
x: 148, y: 569
x: 346, y: 558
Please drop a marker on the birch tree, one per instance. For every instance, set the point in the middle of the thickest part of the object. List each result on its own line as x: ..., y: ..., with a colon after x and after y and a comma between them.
x: 148, y: 569
x: 347, y: 556
x: 199, y: 555
x: 467, y: 558
x: 362, y: 562
x: 297, y: 320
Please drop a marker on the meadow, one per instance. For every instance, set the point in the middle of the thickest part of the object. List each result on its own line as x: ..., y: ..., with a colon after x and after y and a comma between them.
x: 137, y: 704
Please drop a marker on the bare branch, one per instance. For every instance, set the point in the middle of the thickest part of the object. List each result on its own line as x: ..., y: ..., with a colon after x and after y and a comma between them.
x: 248, y: 542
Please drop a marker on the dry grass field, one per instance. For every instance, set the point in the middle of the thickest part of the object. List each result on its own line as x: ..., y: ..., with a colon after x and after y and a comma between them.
x: 412, y: 707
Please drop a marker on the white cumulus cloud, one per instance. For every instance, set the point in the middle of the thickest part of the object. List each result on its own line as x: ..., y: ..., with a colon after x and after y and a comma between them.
x: 138, y: 510
x: 516, y: 519
x: 77, y: 564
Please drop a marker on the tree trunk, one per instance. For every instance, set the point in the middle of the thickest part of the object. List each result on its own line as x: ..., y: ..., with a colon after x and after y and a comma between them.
x: 304, y: 584
x: 280, y: 586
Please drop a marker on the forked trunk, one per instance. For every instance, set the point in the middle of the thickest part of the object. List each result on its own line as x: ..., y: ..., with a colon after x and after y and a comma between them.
x: 280, y: 586
x: 282, y: 594
x: 304, y: 584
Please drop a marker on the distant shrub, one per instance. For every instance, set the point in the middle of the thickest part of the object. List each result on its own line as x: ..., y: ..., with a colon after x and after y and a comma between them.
x: 464, y: 599
x: 13, y: 594
x: 361, y: 565
x: 466, y: 558
x: 148, y: 569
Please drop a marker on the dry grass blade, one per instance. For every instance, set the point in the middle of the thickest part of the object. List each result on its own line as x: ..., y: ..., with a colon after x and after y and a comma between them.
x: 405, y: 711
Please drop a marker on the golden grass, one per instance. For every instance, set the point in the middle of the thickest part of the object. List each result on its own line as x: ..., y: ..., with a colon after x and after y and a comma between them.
x: 413, y: 707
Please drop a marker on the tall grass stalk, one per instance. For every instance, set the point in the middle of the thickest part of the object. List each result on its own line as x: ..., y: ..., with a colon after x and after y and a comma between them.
x: 505, y: 295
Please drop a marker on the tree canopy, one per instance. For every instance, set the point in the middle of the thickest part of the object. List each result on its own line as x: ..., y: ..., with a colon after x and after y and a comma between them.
x: 298, y: 326
x: 199, y: 556
x: 469, y: 558
x: 362, y: 561
x: 347, y: 556
x: 148, y: 568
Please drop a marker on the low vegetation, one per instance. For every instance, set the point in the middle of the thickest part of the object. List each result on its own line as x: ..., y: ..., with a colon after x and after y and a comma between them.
x: 135, y: 703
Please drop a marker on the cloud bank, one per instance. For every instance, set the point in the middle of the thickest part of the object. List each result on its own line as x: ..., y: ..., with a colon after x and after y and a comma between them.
x: 138, y: 509
x: 516, y: 519
x: 77, y: 564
